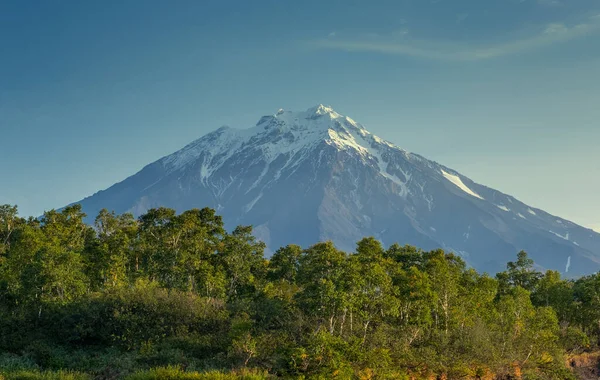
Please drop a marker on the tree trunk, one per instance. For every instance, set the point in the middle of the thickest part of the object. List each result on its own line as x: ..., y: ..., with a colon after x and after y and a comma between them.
x: 331, y: 324
x: 342, y: 322
x: 365, y: 332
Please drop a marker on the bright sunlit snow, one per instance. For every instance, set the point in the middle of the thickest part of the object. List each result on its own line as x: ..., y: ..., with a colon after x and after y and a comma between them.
x: 459, y: 183
x: 565, y: 237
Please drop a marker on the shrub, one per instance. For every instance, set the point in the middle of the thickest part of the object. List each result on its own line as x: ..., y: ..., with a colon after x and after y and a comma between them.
x: 10, y: 362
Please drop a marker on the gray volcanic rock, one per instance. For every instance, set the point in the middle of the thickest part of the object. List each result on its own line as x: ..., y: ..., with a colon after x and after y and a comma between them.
x: 302, y: 177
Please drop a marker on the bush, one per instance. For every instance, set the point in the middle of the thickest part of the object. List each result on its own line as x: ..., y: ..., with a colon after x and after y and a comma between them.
x: 574, y: 340
x: 11, y: 362
x: 151, y: 314
x: 132, y: 317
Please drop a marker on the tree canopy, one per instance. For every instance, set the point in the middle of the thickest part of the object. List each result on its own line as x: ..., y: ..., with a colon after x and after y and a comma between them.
x: 169, y: 289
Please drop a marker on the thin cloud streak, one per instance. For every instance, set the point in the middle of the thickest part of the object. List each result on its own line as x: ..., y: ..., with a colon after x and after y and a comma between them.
x: 449, y: 51
x: 550, y: 3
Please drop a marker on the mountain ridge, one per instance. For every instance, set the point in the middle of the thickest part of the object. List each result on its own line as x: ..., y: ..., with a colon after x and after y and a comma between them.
x: 319, y: 175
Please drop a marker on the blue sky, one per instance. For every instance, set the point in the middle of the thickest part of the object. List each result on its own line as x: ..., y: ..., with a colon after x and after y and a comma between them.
x: 504, y: 91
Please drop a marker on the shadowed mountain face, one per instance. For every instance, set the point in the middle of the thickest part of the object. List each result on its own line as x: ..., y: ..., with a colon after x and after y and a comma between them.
x: 301, y: 177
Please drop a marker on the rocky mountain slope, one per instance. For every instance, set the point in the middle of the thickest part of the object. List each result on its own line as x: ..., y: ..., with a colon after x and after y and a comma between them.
x: 301, y: 177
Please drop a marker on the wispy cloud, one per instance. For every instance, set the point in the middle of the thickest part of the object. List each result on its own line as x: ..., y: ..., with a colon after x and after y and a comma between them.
x: 547, y: 35
x: 550, y: 3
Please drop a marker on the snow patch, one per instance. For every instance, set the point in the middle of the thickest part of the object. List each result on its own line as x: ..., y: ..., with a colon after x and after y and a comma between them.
x: 565, y: 237
x: 531, y: 211
x: 467, y: 234
x: 503, y: 208
x: 568, y: 265
x: 521, y: 216
x: 459, y: 183
x: 250, y: 205
x: 360, y: 140
x: 152, y: 184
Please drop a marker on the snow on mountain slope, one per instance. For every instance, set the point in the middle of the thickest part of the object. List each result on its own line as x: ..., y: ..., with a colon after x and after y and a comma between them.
x: 457, y: 181
x: 292, y: 134
x: 300, y: 177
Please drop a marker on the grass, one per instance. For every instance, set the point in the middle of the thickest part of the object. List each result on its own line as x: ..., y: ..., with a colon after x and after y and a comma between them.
x: 43, y: 375
x: 176, y: 373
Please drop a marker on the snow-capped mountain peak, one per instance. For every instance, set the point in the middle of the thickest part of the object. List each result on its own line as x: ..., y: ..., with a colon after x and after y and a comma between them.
x: 300, y: 177
x: 283, y: 133
x: 321, y: 109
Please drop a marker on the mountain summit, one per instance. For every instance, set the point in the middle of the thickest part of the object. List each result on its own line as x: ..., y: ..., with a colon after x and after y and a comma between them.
x: 301, y: 177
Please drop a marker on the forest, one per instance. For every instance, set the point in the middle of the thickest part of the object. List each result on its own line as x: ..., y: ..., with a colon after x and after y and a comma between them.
x: 176, y: 296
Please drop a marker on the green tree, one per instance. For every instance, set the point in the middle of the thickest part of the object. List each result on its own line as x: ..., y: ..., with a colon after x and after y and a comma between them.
x: 58, y: 271
x: 284, y: 263
x: 553, y: 291
x: 324, y: 294
x: 241, y: 257
x: 9, y: 223
x: 444, y: 271
x: 108, y: 256
x: 18, y: 264
x: 199, y: 235
x: 372, y: 289
x: 45, y: 263
x: 587, y: 300
x: 407, y: 256
x: 519, y: 273
x: 156, y: 256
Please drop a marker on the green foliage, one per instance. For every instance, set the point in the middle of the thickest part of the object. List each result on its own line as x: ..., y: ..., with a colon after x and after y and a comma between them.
x: 175, y: 296
x: 12, y: 363
x: 241, y: 258
x: 519, y: 273
x: 587, y: 301
x: 135, y: 317
x: 322, y: 276
x: 574, y: 340
x: 9, y: 223
x: 284, y: 264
